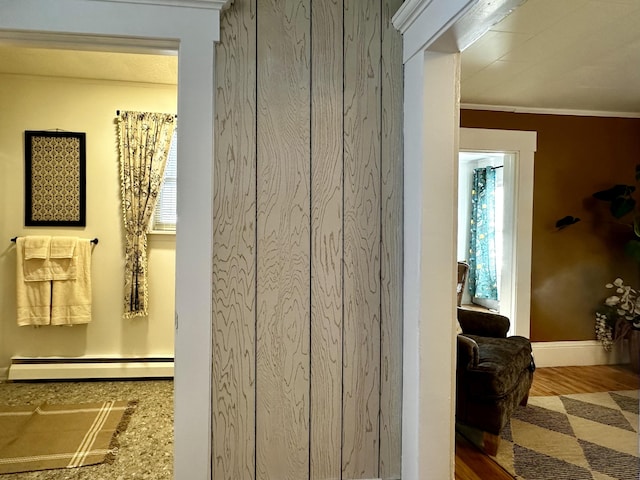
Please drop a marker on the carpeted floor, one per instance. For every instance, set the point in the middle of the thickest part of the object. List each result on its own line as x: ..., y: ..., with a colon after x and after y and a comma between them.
x: 146, y: 447
x: 588, y: 436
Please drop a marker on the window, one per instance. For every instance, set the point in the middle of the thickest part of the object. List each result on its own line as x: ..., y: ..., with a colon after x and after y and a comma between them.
x: 164, y: 217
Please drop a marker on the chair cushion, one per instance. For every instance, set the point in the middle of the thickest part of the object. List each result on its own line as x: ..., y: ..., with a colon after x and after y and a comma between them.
x: 501, y: 362
x: 482, y: 323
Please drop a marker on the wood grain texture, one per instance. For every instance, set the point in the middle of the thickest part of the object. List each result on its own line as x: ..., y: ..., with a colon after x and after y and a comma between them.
x: 283, y: 228
x: 361, y: 342
x: 233, y: 409
x: 307, y: 241
x: 596, y: 378
x: 391, y: 247
x: 326, y: 240
x: 472, y: 464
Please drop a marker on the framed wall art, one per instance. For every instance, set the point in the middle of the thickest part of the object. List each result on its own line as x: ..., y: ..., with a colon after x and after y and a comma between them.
x: 55, y: 178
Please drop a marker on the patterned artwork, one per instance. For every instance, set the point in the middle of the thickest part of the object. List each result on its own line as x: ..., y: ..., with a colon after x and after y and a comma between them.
x: 54, y: 178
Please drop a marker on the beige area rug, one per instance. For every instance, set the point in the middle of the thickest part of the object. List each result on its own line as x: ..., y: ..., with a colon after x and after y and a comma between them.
x: 590, y: 436
x: 60, y: 436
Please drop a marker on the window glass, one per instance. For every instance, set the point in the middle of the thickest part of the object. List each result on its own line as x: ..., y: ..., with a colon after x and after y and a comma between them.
x: 164, y: 217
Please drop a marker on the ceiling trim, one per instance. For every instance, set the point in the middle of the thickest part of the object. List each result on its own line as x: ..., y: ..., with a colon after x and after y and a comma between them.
x: 408, y: 12
x: 474, y: 24
x: 548, y: 111
x: 88, y: 42
x: 421, y: 22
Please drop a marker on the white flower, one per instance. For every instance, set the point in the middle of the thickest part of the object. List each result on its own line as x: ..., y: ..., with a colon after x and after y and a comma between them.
x: 624, y: 306
x: 612, y: 301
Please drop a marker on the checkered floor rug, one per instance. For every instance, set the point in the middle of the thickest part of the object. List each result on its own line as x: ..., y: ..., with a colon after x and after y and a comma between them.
x: 590, y: 436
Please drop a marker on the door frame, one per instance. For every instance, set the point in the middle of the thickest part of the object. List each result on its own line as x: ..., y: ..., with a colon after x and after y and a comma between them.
x: 523, y: 144
x: 434, y: 34
x: 434, y: 31
x: 190, y: 27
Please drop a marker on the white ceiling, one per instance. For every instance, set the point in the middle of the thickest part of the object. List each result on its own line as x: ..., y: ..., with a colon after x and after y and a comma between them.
x: 130, y: 67
x: 558, y: 54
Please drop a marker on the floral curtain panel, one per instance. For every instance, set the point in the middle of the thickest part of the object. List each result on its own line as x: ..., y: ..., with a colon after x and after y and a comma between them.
x: 483, y: 277
x: 144, y: 140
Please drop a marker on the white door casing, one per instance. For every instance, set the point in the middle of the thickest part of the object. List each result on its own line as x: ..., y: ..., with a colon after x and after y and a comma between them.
x: 190, y: 27
x: 520, y: 195
x: 431, y: 101
x: 434, y: 32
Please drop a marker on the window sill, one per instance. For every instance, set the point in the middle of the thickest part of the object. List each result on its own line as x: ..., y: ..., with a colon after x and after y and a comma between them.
x: 162, y: 232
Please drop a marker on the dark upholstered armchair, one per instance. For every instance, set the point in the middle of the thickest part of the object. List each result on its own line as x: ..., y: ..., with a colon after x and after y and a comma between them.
x: 493, y: 376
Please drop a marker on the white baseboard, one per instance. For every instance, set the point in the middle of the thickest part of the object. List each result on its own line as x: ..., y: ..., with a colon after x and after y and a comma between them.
x: 578, y: 353
x: 547, y: 354
x: 56, y: 368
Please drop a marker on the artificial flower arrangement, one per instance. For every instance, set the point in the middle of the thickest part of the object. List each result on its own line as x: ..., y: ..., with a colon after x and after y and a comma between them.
x: 619, y: 315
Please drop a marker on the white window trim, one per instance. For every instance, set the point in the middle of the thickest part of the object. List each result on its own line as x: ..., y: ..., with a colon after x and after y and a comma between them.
x: 523, y: 144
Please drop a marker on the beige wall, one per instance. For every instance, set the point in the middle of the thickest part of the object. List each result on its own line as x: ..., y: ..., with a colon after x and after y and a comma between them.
x: 308, y: 241
x: 43, y: 103
x: 576, y: 157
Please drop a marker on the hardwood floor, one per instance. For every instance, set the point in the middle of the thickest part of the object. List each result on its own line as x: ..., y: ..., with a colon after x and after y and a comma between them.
x: 471, y: 464
x: 598, y: 378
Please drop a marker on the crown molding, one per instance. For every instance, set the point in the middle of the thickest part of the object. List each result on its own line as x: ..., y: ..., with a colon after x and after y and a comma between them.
x: 548, y: 111
x: 447, y: 26
x: 408, y: 12
x: 421, y: 22
x: 208, y: 4
x: 475, y: 22
x: 87, y: 42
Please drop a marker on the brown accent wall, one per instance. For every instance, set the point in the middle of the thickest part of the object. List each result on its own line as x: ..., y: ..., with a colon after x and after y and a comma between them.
x: 307, y: 267
x: 576, y: 156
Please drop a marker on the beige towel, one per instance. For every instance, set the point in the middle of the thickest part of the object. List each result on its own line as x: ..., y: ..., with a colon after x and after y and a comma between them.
x: 58, y: 264
x: 62, y: 258
x: 62, y: 247
x: 36, y: 246
x: 33, y: 298
x: 35, y: 251
x: 71, y: 299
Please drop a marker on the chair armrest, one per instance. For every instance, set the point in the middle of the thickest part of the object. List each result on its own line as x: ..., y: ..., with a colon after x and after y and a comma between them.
x: 483, y: 324
x: 468, y: 352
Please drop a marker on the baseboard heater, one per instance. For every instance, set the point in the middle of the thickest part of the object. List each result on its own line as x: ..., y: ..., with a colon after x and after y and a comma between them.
x: 76, y: 368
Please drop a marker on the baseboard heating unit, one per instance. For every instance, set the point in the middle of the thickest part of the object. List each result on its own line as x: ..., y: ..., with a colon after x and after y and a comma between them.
x: 76, y: 368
